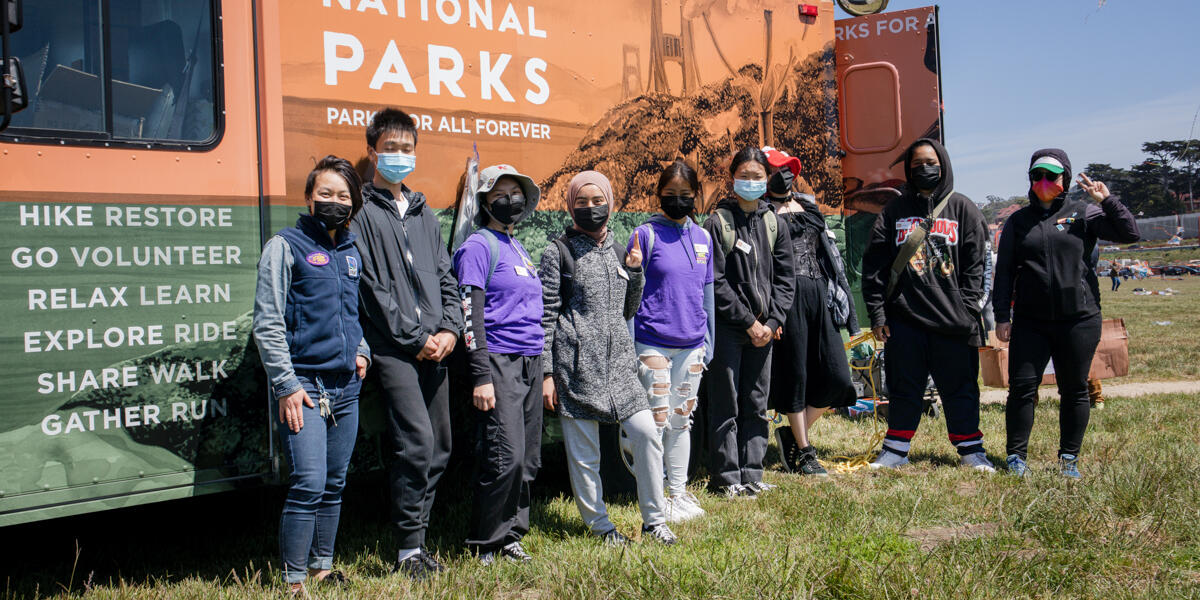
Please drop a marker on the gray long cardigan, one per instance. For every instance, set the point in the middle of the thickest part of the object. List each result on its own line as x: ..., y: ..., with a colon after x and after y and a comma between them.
x: 591, y: 352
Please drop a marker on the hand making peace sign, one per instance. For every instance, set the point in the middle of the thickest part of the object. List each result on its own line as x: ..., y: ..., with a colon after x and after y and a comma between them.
x: 1096, y: 189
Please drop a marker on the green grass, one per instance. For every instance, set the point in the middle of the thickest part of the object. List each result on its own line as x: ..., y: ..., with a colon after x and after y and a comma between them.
x: 1157, y: 256
x: 1130, y: 529
x: 1158, y: 352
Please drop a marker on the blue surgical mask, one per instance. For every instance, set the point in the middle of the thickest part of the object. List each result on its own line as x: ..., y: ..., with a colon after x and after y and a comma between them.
x: 748, y: 189
x: 394, y: 167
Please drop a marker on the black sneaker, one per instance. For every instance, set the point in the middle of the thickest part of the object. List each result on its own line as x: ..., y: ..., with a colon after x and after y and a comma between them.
x: 809, y: 465
x: 660, y: 533
x: 789, y: 450
x: 613, y: 538
x: 515, y: 553
x: 414, y: 567
x: 430, y: 561
x: 334, y: 578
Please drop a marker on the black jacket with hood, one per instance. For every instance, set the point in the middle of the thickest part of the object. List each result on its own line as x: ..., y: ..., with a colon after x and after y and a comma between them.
x: 1045, y: 267
x: 925, y: 295
x: 407, y: 290
x: 753, y: 285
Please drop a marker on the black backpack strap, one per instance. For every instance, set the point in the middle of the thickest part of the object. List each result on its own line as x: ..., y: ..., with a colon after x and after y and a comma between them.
x: 566, y: 270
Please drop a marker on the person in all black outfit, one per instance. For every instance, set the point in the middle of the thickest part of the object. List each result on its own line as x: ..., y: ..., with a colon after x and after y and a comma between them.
x: 1047, y: 299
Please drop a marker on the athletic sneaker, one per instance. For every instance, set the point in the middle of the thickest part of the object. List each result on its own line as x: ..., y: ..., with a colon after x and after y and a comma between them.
x: 677, y: 510
x: 692, y: 502
x: 613, y: 538
x: 978, y: 461
x: 759, y: 487
x: 889, y: 460
x: 515, y: 553
x: 659, y: 533
x: 809, y: 465
x: 735, y: 490
x: 1016, y: 465
x: 1069, y: 464
x: 789, y: 450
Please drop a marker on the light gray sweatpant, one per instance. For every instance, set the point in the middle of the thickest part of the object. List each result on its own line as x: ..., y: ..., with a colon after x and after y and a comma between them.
x: 582, y: 440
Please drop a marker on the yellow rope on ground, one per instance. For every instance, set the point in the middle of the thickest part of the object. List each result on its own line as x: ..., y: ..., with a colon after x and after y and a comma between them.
x: 850, y: 464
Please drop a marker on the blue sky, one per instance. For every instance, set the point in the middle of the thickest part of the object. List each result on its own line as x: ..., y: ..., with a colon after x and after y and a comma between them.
x: 1096, y: 81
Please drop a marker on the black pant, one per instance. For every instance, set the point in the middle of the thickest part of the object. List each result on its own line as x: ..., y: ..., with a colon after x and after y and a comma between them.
x: 911, y: 356
x: 509, y: 452
x: 1034, y: 342
x: 418, y: 403
x: 738, y: 385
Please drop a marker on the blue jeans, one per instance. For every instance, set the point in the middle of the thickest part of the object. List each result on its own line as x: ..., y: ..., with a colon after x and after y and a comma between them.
x: 319, y: 455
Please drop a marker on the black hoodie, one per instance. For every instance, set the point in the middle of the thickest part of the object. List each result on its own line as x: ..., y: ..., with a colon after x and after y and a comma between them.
x: 926, y: 295
x: 755, y: 284
x: 407, y: 291
x: 1045, y: 267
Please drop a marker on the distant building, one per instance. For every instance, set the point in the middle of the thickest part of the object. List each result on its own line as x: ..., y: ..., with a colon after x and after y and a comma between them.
x: 1006, y: 212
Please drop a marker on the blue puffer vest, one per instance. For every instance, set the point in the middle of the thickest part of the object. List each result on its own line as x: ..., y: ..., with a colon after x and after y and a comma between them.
x: 323, y: 331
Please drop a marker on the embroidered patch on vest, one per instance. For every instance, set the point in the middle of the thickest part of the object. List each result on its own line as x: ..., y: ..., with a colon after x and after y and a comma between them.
x: 352, y: 266
x: 317, y: 259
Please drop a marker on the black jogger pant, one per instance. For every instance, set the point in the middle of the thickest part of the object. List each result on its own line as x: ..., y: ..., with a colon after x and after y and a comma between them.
x: 1033, y: 343
x: 911, y: 355
x: 508, y: 453
x: 739, y: 379
x: 418, y: 402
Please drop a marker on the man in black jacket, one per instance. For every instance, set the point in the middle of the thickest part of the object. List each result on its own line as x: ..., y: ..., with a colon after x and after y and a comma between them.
x: 929, y: 314
x: 411, y: 316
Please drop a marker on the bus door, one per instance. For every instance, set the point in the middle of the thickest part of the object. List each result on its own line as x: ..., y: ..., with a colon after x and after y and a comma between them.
x: 130, y: 233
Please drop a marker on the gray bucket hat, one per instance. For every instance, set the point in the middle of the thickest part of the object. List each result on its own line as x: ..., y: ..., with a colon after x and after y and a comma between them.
x: 488, y: 178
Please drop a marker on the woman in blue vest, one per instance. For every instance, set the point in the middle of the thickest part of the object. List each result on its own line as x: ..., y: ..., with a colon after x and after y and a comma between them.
x: 308, y: 335
x: 502, y: 302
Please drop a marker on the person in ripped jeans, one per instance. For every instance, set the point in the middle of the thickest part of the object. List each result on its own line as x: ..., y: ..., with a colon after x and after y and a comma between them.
x: 312, y: 347
x: 674, y: 324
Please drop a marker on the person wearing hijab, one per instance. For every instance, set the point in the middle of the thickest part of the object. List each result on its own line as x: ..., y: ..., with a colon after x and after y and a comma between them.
x: 753, y: 287
x: 923, y: 283
x: 312, y: 347
x: 809, y: 370
x: 1048, y: 299
x: 591, y: 288
x: 673, y: 328
x: 502, y: 306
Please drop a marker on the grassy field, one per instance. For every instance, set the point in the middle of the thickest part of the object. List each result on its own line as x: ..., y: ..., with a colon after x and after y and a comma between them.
x: 1130, y: 529
x: 1156, y: 256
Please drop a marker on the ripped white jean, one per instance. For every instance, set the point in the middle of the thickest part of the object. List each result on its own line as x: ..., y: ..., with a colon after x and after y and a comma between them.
x: 671, y: 377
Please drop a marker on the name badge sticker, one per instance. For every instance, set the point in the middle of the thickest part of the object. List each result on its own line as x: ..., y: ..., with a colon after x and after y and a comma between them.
x: 743, y: 246
x: 522, y: 271
x: 622, y: 274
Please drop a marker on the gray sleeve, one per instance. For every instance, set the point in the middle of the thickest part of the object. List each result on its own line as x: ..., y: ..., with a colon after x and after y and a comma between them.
x: 710, y: 309
x: 364, y: 351
x: 633, y: 290
x: 551, y: 303
x: 270, y: 302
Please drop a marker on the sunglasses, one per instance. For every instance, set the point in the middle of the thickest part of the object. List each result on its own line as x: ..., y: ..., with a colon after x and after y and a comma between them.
x: 1040, y: 174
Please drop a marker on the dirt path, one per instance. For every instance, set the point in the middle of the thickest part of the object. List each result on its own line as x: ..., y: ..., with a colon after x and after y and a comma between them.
x: 1124, y: 390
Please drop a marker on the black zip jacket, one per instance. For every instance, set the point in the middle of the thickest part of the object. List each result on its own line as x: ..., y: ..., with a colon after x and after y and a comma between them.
x: 1045, y: 269
x: 925, y: 294
x: 755, y: 285
x: 407, y: 290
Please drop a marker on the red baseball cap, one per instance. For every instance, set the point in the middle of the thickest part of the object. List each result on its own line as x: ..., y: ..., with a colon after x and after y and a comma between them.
x: 779, y: 158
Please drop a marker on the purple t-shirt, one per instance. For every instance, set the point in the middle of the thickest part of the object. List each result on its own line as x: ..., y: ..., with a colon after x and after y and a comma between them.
x: 512, y: 315
x: 677, y: 269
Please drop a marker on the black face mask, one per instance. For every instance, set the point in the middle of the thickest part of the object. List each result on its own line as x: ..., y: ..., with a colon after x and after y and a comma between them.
x: 506, y: 209
x: 591, y: 218
x: 926, y: 177
x: 677, y: 207
x: 331, y: 214
x: 780, y: 184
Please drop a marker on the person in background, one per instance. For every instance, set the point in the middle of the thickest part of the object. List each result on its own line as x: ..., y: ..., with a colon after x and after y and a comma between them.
x: 307, y: 331
x: 810, y: 372
x: 753, y: 289
x: 1115, y: 276
x: 1048, y: 300
x: 591, y: 288
x: 411, y: 315
x: 502, y: 307
x: 673, y: 327
x: 923, y: 283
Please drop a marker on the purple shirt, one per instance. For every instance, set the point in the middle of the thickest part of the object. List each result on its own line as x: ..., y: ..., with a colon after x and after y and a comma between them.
x: 512, y: 315
x: 677, y: 268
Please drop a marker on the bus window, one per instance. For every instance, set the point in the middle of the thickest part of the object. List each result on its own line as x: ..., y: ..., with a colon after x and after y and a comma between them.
x: 136, y: 70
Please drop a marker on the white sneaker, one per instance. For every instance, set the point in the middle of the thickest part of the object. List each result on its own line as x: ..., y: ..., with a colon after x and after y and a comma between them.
x: 693, y: 503
x: 978, y: 461
x: 676, y: 510
x: 889, y: 460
